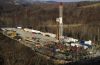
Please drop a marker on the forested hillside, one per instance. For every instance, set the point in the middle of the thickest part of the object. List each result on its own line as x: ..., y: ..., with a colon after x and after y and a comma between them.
x: 80, y: 19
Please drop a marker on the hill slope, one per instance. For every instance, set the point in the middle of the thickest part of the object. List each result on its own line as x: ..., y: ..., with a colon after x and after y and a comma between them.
x: 14, y: 53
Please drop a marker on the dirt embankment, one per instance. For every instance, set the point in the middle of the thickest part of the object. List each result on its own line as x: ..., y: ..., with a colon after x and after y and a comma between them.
x: 93, y: 61
x: 14, y: 53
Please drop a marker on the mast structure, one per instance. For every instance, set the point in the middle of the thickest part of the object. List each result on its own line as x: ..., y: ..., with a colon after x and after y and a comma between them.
x: 60, y: 22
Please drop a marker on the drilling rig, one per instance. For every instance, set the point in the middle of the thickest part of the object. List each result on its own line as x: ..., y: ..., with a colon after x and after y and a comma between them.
x: 60, y: 23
